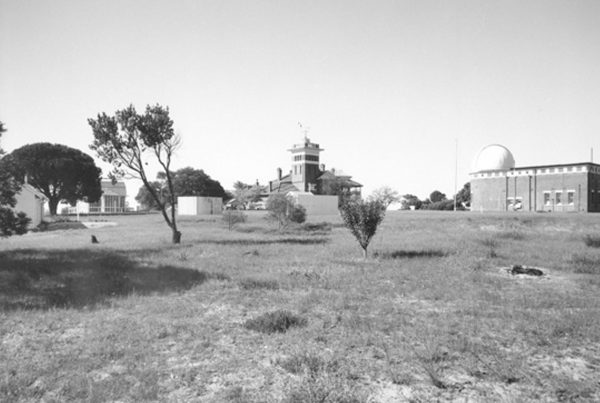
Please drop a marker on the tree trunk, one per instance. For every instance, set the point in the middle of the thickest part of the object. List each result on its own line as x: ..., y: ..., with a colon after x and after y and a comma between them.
x: 365, y: 254
x: 52, y: 204
x: 176, y: 236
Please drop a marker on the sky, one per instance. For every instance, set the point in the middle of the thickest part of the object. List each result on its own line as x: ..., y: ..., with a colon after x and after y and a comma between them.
x: 398, y: 93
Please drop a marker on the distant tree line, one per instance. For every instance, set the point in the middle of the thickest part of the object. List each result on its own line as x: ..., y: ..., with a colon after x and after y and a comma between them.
x: 438, y: 200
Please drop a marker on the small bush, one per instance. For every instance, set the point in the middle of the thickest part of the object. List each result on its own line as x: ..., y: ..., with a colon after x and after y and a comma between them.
x: 592, y: 241
x: 11, y: 223
x: 275, y: 322
x: 283, y: 210
x: 362, y: 219
x: 297, y: 214
x: 233, y: 217
x: 257, y: 284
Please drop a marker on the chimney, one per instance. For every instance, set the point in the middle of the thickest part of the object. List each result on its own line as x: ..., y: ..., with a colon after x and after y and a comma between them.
x: 278, y: 173
x: 322, y: 167
x: 333, y: 171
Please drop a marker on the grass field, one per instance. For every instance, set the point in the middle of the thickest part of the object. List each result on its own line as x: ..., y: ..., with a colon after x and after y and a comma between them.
x: 253, y: 315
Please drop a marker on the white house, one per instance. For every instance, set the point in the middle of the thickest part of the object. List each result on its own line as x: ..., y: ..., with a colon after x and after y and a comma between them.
x: 112, y: 201
x: 31, y: 202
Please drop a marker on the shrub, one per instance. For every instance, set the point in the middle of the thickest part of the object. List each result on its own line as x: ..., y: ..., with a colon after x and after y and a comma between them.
x: 232, y: 217
x: 297, y: 214
x: 362, y: 218
x: 592, y: 241
x: 282, y: 210
x: 275, y: 322
x: 11, y: 223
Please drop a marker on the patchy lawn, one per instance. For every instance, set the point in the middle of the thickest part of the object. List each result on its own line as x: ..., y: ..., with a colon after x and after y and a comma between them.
x: 253, y: 315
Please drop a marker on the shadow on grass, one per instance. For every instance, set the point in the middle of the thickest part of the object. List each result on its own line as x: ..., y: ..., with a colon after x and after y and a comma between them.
x: 410, y: 254
x: 289, y: 240
x: 35, y: 279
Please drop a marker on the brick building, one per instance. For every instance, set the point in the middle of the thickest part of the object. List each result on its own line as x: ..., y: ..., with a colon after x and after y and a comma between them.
x: 498, y: 185
x: 309, y: 175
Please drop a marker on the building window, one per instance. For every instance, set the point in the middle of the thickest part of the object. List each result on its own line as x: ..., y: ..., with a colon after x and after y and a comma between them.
x: 558, y: 197
x: 560, y: 169
x: 546, y: 198
x: 543, y: 170
x: 571, y: 197
x: 570, y: 169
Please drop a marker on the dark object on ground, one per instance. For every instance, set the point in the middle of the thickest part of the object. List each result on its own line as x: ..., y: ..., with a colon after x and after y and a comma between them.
x: 530, y: 271
x: 252, y: 253
x: 94, y: 239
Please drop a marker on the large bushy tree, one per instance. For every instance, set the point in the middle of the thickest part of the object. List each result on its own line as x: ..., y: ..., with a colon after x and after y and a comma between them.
x: 58, y: 171
x: 128, y: 140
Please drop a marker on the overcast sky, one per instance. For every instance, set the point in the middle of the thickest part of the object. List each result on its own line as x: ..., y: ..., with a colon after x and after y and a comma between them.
x: 387, y: 87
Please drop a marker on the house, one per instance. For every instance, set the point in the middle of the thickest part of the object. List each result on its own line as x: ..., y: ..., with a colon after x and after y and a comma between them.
x: 498, y: 185
x: 113, y: 201
x: 31, y: 202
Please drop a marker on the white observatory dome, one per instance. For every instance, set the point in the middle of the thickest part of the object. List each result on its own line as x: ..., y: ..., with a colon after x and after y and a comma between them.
x: 493, y: 157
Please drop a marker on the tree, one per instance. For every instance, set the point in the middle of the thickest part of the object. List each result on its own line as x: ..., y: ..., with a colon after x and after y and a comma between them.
x: 128, y: 141
x: 145, y: 198
x: 437, y: 196
x: 283, y: 210
x: 61, y: 173
x: 386, y: 195
x: 195, y: 182
x: 463, y: 197
x: 409, y: 200
x: 362, y: 219
x: 10, y: 223
x: 245, y: 194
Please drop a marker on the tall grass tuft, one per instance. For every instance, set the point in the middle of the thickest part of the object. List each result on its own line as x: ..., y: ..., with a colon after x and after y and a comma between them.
x: 275, y: 322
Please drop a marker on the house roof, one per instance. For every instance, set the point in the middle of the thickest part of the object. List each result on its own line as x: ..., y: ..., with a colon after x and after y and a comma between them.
x: 30, y: 189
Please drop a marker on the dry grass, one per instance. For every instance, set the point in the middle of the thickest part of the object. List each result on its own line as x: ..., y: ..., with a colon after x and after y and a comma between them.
x: 431, y: 318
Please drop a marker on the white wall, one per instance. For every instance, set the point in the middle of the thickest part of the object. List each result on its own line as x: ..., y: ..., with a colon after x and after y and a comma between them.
x: 31, y: 205
x: 193, y: 205
x: 316, y: 204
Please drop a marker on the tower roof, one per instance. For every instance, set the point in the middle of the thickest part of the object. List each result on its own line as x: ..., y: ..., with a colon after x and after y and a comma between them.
x: 493, y: 157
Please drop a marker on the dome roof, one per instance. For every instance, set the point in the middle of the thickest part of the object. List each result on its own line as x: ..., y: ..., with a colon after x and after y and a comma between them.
x: 493, y: 157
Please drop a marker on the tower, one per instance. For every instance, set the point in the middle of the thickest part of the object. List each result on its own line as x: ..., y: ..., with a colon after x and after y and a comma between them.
x: 305, y: 164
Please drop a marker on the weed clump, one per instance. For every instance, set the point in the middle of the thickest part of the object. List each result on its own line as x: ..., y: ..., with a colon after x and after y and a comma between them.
x: 252, y: 283
x: 275, y: 322
x: 410, y: 254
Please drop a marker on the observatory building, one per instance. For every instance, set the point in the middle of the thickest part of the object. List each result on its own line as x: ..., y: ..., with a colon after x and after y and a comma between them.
x: 498, y: 185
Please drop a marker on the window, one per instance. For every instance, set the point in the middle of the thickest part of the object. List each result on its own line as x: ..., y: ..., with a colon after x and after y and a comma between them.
x: 546, y: 198
x: 558, y: 198
x: 571, y: 197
